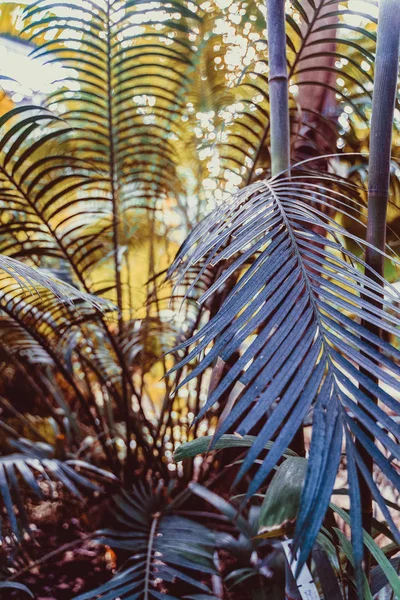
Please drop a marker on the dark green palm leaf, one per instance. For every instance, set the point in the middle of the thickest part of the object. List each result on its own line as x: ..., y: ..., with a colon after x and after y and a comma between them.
x: 43, y: 193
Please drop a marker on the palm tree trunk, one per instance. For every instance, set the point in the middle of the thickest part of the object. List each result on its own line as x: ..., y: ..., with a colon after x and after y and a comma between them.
x: 383, y: 103
x: 278, y: 87
x: 279, y: 113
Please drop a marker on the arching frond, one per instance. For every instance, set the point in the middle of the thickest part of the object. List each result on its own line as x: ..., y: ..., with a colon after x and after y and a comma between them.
x: 45, y: 209
x: 14, y: 586
x: 14, y: 340
x: 38, y: 305
x: 36, y: 328
x: 295, y: 316
x: 130, y: 66
x: 17, y: 278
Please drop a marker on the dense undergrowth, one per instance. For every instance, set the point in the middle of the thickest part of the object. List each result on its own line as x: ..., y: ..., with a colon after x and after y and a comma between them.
x: 181, y: 396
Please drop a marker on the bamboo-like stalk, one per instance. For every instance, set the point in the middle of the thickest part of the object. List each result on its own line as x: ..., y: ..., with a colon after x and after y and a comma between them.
x: 278, y: 87
x: 279, y: 113
x: 280, y: 148
x: 383, y: 103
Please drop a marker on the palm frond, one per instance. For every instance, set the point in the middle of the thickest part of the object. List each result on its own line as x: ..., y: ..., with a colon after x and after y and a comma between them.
x: 44, y: 194
x: 18, y: 277
x: 37, y: 328
x: 15, y: 341
x: 166, y: 549
x: 38, y: 310
x: 130, y: 65
x: 324, y: 48
x: 14, y: 586
x: 295, y: 317
x: 35, y: 466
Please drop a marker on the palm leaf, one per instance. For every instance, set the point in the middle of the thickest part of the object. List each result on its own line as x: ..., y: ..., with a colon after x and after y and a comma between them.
x: 165, y: 548
x: 323, y: 47
x: 14, y: 341
x: 35, y: 464
x: 44, y: 194
x: 127, y: 111
x: 38, y: 311
x: 20, y: 277
x: 36, y: 328
x: 295, y: 316
x: 12, y: 586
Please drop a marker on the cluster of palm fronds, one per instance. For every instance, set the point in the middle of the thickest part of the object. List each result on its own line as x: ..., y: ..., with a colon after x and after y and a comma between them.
x: 98, y: 187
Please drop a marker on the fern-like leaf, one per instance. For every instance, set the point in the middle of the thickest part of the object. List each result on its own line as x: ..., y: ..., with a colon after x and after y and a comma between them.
x: 126, y: 114
x: 295, y: 315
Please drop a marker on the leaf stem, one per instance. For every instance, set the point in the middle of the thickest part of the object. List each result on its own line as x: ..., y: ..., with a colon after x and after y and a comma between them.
x: 126, y: 401
x: 279, y: 112
x: 113, y: 173
x: 149, y: 557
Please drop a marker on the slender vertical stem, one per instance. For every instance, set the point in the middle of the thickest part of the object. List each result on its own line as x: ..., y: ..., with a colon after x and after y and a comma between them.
x: 149, y: 558
x: 383, y: 103
x: 279, y: 112
x: 280, y: 146
x: 113, y: 173
x: 116, y: 239
x: 278, y: 86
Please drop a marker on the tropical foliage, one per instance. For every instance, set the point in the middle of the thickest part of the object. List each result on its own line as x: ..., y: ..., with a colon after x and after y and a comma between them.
x: 138, y: 338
